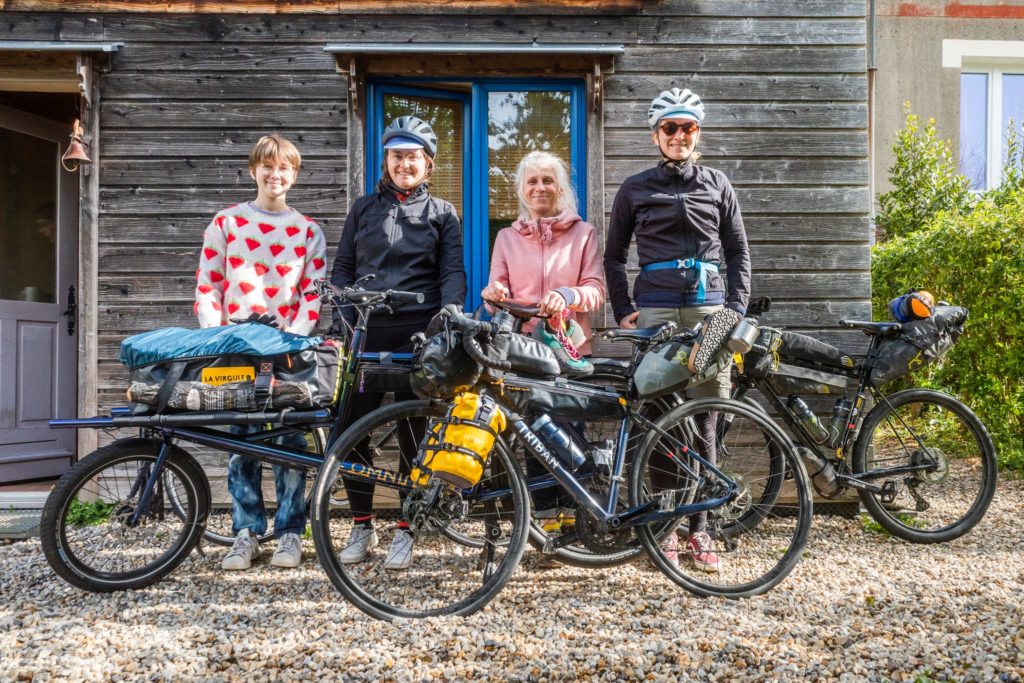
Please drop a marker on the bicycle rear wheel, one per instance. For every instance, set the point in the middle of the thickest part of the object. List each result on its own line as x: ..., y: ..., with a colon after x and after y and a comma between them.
x: 954, y: 478
x: 466, y: 546
x: 751, y: 560
x: 86, y: 529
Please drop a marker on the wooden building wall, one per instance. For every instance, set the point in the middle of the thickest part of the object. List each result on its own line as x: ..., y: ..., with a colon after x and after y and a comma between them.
x: 188, y: 94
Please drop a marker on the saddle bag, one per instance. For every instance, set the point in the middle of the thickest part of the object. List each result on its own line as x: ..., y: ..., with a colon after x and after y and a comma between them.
x: 664, y: 369
x: 244, y: 367
x: 457, y: 448
x: 919, y: 343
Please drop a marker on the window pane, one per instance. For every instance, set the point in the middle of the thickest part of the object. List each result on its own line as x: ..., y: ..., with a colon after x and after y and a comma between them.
x: 445, y: 117
x: 1013, y: 107
x: 518, y: 123
x: 974, y: 128
x: 28, y: 218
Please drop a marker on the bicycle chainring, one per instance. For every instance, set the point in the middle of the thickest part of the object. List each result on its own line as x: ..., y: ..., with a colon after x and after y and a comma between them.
x: 601, y: 542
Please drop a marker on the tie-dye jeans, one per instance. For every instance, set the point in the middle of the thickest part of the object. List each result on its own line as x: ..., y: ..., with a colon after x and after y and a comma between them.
x: 245, y: 477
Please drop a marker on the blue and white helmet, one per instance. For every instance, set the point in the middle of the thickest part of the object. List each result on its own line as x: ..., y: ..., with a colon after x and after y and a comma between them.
x: 675, y: 104
x: 409, y: 132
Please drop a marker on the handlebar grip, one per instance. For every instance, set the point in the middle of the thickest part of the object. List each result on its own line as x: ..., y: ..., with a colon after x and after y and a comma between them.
x: 405, y: 297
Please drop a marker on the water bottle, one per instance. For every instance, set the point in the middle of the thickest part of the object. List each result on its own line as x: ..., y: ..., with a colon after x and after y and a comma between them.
x: 837, y: 423
x: 822, y: 474
x: 808, y: 419
x: 560, y: 442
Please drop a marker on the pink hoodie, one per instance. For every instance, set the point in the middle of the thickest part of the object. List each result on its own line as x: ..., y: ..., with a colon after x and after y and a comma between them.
x: 532, y: 257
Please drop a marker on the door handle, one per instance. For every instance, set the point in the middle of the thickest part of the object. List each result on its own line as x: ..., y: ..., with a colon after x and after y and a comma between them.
x: 72, y: 311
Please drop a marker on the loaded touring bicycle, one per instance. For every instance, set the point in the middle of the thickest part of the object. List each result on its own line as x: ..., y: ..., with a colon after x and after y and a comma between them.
x: 470, y: 524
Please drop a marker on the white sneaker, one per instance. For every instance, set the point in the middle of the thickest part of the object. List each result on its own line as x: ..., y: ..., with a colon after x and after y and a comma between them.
x: 400, y: 554
x: 289, y: 551
x: 361, y: 540
x: 243, y: 551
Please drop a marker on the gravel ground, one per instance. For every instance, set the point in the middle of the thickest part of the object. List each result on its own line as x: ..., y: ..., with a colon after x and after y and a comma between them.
x: 862, y: 606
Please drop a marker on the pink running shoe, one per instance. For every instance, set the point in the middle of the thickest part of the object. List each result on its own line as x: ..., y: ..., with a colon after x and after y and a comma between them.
x: 699, y: 548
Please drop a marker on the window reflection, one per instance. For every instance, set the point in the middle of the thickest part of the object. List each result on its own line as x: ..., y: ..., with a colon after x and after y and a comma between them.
x: 974, y: 128
x: 28, y: 215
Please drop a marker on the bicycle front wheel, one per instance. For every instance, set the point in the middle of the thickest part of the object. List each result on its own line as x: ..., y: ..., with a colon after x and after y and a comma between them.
x: 732, y: 561
x: 935, y: 461
x: 91, y: 534
x: 465, y: 544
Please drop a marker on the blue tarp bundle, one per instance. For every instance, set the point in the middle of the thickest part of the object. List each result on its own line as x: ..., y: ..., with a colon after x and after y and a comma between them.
x: 245, y: 339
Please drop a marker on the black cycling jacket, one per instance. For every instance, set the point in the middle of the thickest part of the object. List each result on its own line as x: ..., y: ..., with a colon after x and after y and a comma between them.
x: 414, y: 246
x: 689, y: 213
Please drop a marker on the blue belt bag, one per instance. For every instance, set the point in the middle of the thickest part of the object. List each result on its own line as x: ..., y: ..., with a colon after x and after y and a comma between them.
x: 702, y: 268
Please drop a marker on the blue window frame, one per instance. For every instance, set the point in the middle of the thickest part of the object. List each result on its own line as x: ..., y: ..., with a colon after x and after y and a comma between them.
x: 478, y: 107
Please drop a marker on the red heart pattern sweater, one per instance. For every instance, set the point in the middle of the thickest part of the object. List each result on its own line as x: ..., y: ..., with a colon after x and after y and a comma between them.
x: 256, y: 261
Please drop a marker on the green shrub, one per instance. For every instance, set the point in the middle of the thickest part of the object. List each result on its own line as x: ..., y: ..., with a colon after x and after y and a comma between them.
x: 974, y: 257
x: 88, y: 514
x: 924, y: 181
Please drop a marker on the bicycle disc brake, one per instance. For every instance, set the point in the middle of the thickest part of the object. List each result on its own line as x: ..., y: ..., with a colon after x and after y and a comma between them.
x: 932, y: 457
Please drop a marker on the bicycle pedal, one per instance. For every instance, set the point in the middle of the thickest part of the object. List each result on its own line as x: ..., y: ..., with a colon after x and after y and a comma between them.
x: 666, y: 502
x: 549, y: 547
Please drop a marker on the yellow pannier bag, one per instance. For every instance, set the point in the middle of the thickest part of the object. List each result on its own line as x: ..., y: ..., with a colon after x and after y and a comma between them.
x: 457, y: 448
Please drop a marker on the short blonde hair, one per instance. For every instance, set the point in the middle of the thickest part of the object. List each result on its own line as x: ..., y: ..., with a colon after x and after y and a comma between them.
x: 566, y: 200
x: 274, y: 147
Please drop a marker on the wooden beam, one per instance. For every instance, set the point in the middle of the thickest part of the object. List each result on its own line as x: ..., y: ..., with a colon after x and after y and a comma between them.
x: 307, y: 6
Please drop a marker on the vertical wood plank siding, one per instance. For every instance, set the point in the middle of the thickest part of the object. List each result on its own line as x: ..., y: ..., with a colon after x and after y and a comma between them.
x: 186, y: 97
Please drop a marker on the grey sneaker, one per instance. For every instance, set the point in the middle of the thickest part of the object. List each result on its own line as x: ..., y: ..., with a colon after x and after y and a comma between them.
x: 400, y: 554
x: 243, y: 551
x: 361, y: 540
x: 289, y: 551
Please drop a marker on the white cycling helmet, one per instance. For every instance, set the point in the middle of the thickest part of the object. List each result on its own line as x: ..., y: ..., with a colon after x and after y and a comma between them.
x: 675, y: 104
x: 409, y: 132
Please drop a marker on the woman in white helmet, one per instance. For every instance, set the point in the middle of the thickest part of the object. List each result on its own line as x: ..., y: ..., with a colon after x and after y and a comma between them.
x: 688, y: 227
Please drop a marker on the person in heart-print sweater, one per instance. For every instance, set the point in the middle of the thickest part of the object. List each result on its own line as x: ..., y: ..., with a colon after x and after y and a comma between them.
x: 260, y: 257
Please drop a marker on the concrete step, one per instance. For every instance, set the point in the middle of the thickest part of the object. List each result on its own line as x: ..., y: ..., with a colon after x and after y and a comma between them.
x: 19, y: 524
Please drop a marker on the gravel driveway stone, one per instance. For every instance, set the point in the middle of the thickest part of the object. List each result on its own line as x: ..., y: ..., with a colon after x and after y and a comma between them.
x: 861, y: 606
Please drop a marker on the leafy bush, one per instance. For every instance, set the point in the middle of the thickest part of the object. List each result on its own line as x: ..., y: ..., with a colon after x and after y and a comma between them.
x: 88, y: 514
x: 924, y: 178
x: 971, y: 256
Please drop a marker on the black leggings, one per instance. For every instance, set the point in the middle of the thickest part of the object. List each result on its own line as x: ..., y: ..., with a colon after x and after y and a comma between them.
x: 393, y: 338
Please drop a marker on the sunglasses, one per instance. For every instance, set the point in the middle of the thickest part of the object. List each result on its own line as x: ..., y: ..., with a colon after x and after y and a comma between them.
x: 670, y: 128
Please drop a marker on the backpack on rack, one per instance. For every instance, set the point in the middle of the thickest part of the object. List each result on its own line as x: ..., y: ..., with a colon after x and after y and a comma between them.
x: 248, y: 366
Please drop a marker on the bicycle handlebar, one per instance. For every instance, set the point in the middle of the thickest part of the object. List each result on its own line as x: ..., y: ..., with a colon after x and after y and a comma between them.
x: 366, y: 297
x: 471, y: 329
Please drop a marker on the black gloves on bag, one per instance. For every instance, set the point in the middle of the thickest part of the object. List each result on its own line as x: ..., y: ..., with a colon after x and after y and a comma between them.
x: 265, y: 319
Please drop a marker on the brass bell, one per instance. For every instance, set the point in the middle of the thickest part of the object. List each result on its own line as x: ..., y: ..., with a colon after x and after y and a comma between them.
x: 76, y: 152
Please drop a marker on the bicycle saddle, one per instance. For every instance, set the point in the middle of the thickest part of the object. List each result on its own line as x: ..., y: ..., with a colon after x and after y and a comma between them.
x: 870, y: 327
x: 518, y: 309
x: 641, y: 334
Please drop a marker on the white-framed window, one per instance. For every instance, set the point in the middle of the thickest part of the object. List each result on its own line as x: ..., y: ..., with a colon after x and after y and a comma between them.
x: 989, y: 100
x: 991, y: 94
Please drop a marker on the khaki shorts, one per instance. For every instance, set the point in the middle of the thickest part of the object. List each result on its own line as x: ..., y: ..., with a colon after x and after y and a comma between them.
x: 687, y: 317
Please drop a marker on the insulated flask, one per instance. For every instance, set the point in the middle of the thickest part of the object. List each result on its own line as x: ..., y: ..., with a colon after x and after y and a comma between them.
x: 559, y: 441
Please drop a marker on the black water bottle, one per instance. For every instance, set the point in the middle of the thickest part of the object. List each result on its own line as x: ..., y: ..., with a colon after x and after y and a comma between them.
x: 837, y: 423
x: 560, y: 442
x: 808, y: 419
